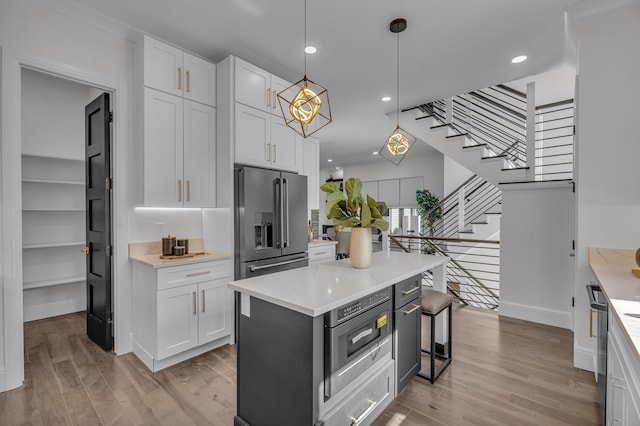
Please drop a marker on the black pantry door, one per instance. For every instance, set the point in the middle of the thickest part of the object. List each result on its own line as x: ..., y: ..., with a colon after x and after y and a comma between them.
x: 98, y: 221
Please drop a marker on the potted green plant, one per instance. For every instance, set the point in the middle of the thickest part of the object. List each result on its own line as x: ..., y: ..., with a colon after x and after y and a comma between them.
x: 354, y: 212
x: 427, y: 210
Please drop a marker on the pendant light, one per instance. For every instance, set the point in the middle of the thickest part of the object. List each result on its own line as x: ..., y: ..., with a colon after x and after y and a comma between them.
x: 399, y: 141
x: 305, y: 104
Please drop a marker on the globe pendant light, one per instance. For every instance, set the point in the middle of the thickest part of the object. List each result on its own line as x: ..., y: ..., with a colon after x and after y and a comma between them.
x: 305, y: 104
x: 400, y: 141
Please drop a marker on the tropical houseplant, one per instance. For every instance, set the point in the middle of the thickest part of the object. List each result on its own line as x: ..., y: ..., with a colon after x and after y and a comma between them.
x: 427, y: 203
x: 354, y: 212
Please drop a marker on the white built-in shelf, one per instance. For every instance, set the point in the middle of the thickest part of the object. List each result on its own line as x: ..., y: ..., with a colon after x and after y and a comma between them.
x: 52, y: 157
x: 55, y: 182
x: 49, y: 283
x: 52, y: 245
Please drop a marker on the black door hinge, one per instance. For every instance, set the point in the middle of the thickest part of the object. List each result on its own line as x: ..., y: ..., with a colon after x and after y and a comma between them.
x: 573, y: 302
x: 573, y: 244
x: 110, y: 117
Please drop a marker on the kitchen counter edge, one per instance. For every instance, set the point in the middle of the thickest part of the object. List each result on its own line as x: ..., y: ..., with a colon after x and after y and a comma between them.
x: 154, y: 261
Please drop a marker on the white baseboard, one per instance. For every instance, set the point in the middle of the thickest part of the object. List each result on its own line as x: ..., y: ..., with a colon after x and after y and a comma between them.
x: 46, y: 310
x: 536, y: 314
x: 584, y: 358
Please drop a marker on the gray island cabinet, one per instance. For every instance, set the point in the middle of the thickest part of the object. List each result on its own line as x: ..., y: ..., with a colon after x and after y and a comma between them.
x: 329, y: 344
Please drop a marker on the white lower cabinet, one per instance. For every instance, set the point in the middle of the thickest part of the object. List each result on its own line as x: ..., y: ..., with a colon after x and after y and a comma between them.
x: 181, y: 311
x: 321, y: 254
x: 623, y: 380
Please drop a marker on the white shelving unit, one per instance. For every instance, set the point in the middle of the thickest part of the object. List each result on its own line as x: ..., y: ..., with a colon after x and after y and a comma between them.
x: 53, y: 221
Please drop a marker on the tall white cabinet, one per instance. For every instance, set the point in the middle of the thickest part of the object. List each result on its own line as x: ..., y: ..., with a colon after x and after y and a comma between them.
x: 176, y: 152
x: 53, y: 195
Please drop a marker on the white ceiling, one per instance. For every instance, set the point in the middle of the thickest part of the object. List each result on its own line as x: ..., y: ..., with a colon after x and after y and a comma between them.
x: 449, y: 47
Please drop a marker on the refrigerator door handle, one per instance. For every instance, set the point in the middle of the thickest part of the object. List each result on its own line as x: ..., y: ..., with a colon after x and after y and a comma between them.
x: 281, y: 213
x: 285, y: 186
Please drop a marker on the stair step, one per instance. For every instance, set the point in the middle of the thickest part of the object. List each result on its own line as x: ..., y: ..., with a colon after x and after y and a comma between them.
x: 494, y: 213
x: 479, y: 223
x: 491, y: 157
x: 439, y: 126
x: 475, y: 146
x: 456, y: 136
x: 423, y: 117
x: 517, y: 168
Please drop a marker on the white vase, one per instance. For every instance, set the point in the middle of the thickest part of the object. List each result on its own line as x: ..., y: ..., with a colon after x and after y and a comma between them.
x: 360, y: 247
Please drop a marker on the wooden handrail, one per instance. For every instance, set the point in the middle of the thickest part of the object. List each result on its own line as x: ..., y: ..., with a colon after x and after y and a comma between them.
x: 451, y: 240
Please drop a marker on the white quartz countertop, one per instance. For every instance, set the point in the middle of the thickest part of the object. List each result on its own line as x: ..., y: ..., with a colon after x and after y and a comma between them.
x: 317, y: 289
x: 148, y: 253
x: 612, y: 268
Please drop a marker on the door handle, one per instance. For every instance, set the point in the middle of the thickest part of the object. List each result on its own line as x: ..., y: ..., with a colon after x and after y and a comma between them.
x: 274, y: 99
x: 195, y: 311
x: 179, y: 190
x: 188, y: 190
x: 269, y: 96
x: 591, y: 311
x: 203, y: 302
x: 361, y: 335
x: 285, y: 186
x: 85, y: 250
x: 365, y: 413
x: 282, y: 242
x: 268, y: 152
x: 179, y: 78
x: 411, y: 290
x: 272, y: 265
x: 415, y: 308
x: 275, y: 156
x: 188, y: 82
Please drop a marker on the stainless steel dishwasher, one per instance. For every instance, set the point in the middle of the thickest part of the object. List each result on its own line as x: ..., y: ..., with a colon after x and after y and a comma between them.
x: 598, y: 304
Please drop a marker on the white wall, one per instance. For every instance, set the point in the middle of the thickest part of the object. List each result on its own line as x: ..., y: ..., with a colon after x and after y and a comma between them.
x: 455, y: 175
x: 608, y: 199
x: 536, y: 269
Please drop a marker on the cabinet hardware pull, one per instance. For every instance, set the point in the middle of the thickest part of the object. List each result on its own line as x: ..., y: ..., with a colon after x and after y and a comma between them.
x: 195, y: 274
x: 365, y: 413
x: 195, y: 311
x: 203, y: 301
x: 85, y: 250
x: 188, y: 190
x: 179, y: 190
x: 188, y: 82
x: 269, y: 97
x: 179, y: 78
x: 268, y: 152
x: 591, y: 311
x: 274, y: 153
x: 411, y: 290
x: 412, y: 310
x: 318, y: 253
x: 274, y: 99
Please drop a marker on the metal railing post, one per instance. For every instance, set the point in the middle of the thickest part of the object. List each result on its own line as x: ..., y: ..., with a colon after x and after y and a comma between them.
x: 531, y: 130
x: 449, y: 110
x: 461, y: 216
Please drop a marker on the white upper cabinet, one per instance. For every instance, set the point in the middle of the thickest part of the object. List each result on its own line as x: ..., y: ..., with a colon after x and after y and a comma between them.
x: 258, y: 88
x: 370, y: 188
x: 176, y: 152
x: 389, y: 192
x: 253, y: 136
x: 408, y: 187
x: 174, y: 71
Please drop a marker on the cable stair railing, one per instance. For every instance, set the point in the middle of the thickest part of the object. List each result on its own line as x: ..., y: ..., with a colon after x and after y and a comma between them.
x: 473, y: 280
x: 474, y: 270
x: 496, y: 119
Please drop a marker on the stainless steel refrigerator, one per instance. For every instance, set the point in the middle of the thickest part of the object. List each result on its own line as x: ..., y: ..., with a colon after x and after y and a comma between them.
x: 271, y: 221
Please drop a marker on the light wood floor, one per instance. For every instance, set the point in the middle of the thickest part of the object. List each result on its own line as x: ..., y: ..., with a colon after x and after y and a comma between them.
x: 504, y: 371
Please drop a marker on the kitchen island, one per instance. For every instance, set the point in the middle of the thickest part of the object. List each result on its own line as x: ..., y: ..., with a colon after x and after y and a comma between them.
x: 315, y: 343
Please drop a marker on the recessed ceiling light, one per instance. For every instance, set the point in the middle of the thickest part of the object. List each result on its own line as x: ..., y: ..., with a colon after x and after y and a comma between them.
x: 519, y: 59
x: 337, y: 168
x: 329, y: 160
x: 310, y: 50
x: 386, y: 99
x: 375, y: 152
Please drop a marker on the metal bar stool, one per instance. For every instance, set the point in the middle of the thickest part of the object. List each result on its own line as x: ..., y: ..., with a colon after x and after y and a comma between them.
x: 434, y: 303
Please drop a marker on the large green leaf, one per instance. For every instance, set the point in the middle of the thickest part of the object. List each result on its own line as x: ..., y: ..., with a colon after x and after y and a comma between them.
x: 366, y: 216
x: 353, y: 187
x: 333, y: 199
x: 346, y: 223
x: 381, y: 224
x: 330, y: 187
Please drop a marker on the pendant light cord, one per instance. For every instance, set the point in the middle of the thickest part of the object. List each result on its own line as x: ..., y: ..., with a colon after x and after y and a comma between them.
x: 397, y: 81
x: 305, y: 39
